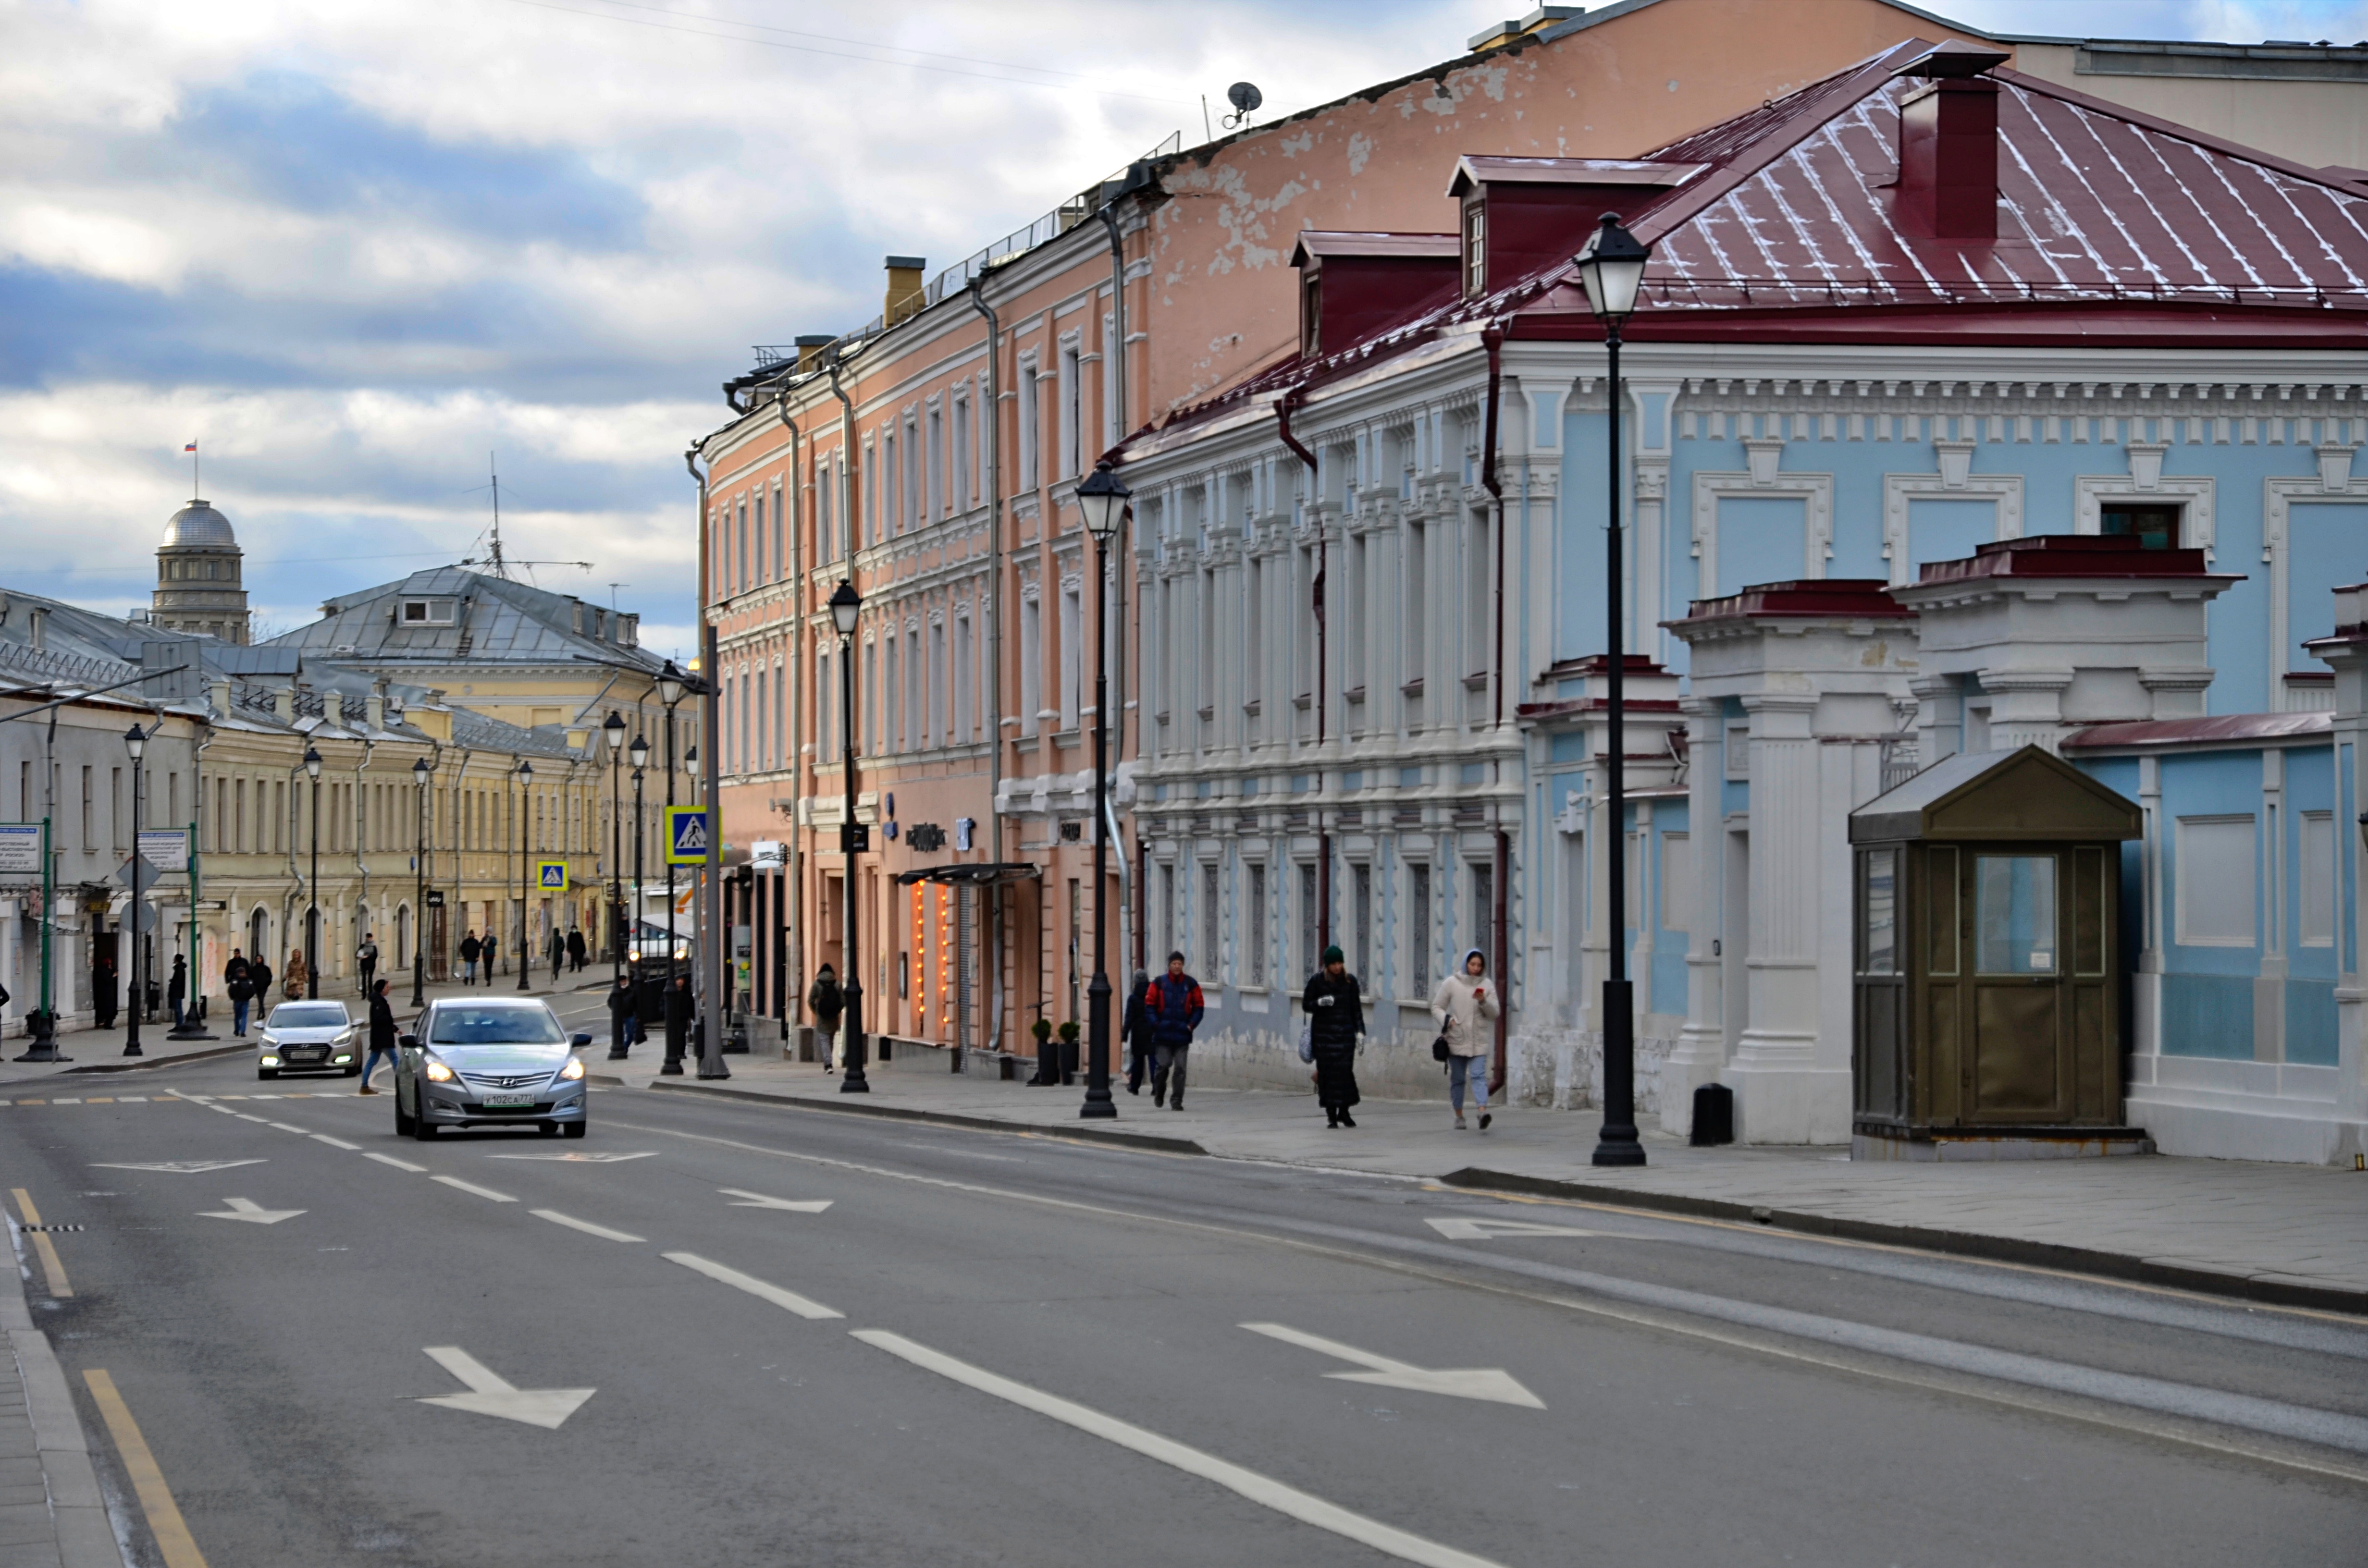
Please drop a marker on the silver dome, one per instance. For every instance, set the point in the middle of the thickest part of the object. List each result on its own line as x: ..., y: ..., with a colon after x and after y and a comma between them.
x: 199, y: 526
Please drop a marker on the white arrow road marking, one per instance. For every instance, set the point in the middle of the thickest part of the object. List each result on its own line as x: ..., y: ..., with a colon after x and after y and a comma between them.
x: 788, y: 1300
x: 484, y: 1192
x: 759, y: 1201
x: 253, y: 1214
x: 490, y: 1395
x: 579, y: 1159
x: 1482, y: 1229
x: 391, y: 1160
x: 182, y: 1167
x: 1286, y: 1500
x: 1490, y: 1383
x: 587, y: 1226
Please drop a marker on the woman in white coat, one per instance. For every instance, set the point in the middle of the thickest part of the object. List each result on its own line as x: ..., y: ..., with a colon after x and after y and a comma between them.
x: 1466, y: 1004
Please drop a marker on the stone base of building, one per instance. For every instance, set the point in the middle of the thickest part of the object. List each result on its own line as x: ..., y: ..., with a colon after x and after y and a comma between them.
x: 1790, y: 1103
x: 2216, y: 1110
x: 2014, y: 1144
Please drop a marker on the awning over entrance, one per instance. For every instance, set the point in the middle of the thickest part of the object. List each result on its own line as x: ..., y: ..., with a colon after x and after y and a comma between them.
x: 987, y: 875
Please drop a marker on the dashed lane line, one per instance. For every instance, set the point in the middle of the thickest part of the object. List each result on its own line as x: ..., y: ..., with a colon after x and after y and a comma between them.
x: 398, y: 1164
x: 587, y: 1226
x: 789, y: 1300
x: 336, y: 1143
x: 484, y: 1192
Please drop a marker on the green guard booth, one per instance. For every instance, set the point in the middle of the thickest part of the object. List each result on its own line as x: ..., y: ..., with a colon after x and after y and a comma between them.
x: 1987, y: 977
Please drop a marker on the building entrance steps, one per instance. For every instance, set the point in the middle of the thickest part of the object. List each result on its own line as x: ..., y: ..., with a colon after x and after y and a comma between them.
x: 2296, y: 1234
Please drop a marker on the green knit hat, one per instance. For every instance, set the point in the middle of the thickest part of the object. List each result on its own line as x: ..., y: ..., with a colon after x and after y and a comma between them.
x: 1333, y: 955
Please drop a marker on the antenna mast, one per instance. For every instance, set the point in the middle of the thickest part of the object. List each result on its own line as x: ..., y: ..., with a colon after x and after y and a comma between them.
x: 500, y: 569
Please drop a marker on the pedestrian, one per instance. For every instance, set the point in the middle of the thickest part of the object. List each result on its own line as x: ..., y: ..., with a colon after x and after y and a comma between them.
x: 382, y: 1035
x: 557, y: 948
x: 1465, y: 1005
x: 1174, y: 1006
x: 620, y: 1014
x: 1136, y: 1032
x: 367, y: 955
x: 471, y: 950
x: 176, y: 989
x: 492, y: 948
x: 258, y: 981
x: 576, y: 949
x: 105, y: 995
x: 238, y: 987
x: 679, y: 1006
x: 298, y: 975
x: 1335, y: 1019
x: 828, y: 1002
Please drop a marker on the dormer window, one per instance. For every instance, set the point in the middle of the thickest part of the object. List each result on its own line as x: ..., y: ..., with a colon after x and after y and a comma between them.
x: 1475, y: 249
x: 1311, y: 312
x: 427, y: 612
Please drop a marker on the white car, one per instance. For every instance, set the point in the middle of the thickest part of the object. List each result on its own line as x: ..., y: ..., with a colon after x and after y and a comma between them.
x: 489, y: 1061
x: 308, y: 1036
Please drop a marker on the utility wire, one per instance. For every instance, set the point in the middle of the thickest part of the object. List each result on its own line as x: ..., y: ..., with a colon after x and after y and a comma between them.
x: 858, y: 43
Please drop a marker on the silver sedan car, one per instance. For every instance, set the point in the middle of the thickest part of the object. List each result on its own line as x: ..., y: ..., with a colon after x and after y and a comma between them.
x: 308, y: 1036
x: 496, y: 1062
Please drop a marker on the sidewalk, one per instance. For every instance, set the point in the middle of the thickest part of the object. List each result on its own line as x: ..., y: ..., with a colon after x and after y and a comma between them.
x: 2296, y: 1235
x: 52, y: 1514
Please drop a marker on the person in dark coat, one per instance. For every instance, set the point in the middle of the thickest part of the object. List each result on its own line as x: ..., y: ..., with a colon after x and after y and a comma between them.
x: 621, y: 1003
x: 680, y: 1004
x: 471, y: 948
x: 176, y: 989
x: 828, y: 1002
x: 105, y: 995
x: 260, y: 978
x: 576, y: 949
x: 382, y: 1035
x: 1174, y: 1005
x: 1134, y: 1032
x: 493, y: 950
x: 1336, y: 1020
x: 239, y: 987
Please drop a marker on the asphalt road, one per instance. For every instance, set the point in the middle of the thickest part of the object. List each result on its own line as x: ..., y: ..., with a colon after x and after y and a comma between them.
x: 807, y: 1338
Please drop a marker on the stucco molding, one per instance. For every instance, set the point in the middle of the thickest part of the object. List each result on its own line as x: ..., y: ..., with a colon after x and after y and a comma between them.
x: 2279, y: 497
x: 1816, y: 490
x: 1951, y: 483
x: 2198, y: 526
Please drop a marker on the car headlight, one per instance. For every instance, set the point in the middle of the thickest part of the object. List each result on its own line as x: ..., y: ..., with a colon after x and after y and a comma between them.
x: 270, y: 1042
x: 574, y: 1068
x: 438, y: 1072
x: 347, y: 1035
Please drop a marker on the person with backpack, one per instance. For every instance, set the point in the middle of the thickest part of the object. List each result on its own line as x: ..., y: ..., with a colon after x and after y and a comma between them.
x: 1135, y: 1033
x: 1336, y: 1020
x: 382, y: 1035
x: 471, y: 950
x: 237, y: 986
x: 1174, y: 1006
x: 828, y: 1002
x: 1465, y: 1005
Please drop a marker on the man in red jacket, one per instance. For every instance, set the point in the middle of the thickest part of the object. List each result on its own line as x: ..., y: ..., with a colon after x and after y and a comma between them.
x: 1175, y: 1008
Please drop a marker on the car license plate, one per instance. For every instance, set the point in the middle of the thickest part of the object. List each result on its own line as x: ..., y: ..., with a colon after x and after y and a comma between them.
x: 508, y: 1102
x: 308, y: 1053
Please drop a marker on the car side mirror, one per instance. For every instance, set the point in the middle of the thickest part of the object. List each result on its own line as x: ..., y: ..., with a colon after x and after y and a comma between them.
x: 409, y: 1041
x: 577, y: 1040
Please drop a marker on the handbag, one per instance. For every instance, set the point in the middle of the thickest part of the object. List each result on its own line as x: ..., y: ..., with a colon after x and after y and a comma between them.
x: 1307, y: 1043
x: 1439, y: 1052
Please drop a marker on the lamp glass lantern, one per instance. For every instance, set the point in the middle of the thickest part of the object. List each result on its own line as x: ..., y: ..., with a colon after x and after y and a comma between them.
x: 614, y: 730
x: 1612, y: 269
x: 638, y: 753
x: 670, y: 685
x: 312, y: 765
x: 135, y: 741
x: 845, y: 604
x: 419, y: 771
x: 1102, y: 498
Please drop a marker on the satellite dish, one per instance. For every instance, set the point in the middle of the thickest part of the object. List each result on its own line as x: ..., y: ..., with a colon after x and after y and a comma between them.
x: 1243, y: 97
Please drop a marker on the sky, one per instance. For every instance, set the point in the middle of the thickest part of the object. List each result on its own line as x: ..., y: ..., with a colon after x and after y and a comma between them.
x: 366, y: 253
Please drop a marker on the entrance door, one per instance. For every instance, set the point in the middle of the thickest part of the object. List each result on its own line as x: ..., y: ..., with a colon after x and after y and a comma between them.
x: 2020, y: 1068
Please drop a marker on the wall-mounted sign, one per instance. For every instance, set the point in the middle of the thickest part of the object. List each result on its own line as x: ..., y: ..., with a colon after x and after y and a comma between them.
x: 963, y: 828
x: 166, y: 848
x: 926, y: 836
x: 435, y: 898
x: 768, y: 852
x: 551, y: 875
x: 20, y: 848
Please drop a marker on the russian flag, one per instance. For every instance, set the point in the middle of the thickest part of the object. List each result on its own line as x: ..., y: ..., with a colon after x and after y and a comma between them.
x: 190, y: 447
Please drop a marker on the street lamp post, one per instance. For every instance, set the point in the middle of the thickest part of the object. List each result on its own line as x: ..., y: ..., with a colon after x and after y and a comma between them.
x: 135, y: 741
x: 845, y: 604
x: 613, y: 731
x: 312, y: 887
x: 1102, y: 499
x: 526, y: 868
x: 1612, y: 268
x: 420, y: 772
x: 639, y: 753
x: 671, y: 686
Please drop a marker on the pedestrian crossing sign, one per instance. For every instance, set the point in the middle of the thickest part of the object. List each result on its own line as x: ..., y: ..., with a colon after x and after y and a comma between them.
x: 552, y: 875
x: 687, y: 835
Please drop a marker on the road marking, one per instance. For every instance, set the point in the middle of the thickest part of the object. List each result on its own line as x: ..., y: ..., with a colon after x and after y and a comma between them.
x: 251, y: 1211
x: 391, y: 1160
x: 32, y: 1102
x: 336, y: 1143
x: 1288, y: 1501
x: 759, y: 1201
x: 485, y: 1192
x: 258, y: 1120
x: 300, y: 1131
x: 788, y: 1300
x: 133, y: 1099
x: 171, y: 1531
x: 102, y: 1099
x: 490, y: 1394
x: 67, y: 1102
x: 579, y: 1159
x: 53, y: 1268
x: 1490, y: 1383
x: 1484, y: 1230
x: 183, y: 1167
x: 587, y: 1226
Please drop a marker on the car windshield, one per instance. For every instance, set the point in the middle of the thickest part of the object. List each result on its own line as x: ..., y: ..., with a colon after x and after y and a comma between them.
x: 495, y: 1026
x: 309, y: 1015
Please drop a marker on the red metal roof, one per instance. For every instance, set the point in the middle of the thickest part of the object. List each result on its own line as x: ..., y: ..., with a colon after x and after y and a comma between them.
x: 2072, y: 555
x: 1823, y: 599
x: 2232, y: 729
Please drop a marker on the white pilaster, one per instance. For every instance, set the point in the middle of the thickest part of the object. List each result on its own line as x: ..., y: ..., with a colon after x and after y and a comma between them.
x: 1701, y: 1052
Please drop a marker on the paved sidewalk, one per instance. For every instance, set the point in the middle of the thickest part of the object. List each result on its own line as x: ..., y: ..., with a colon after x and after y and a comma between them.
x: 51, y: 1514
x: 2292, y: 1234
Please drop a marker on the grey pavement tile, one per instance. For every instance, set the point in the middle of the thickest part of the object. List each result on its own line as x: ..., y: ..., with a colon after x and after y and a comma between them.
x: 33, y: 1492
x: 26, y: 1521
x: 29, y: 1555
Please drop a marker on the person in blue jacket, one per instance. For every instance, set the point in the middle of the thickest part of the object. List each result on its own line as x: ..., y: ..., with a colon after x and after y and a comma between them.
x: 1174, y: 1005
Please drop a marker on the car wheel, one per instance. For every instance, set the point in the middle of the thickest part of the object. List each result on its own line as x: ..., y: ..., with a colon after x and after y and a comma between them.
x: 421, y: 1127
x: 548, y: 1129
x: 575, y: 1128
x: 354, y: 1071
x: 404, y: 1120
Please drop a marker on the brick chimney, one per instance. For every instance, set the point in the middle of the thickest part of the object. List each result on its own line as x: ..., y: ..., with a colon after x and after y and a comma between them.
x: 904, y: 287
x: 1948, y: 146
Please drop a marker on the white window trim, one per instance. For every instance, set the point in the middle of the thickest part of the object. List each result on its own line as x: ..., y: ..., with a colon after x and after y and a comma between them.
x: 1900, y: 490
x: 2179, y: 935
x: 2336, y: 486
x: 1817, y: 534
x: 2197, y: 529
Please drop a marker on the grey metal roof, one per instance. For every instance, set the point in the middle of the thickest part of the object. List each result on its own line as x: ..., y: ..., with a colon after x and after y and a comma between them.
x: 199, y: 526
x: 495, y: 619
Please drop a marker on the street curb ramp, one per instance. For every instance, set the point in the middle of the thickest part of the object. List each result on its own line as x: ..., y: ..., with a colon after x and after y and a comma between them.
x: 1142, y: 1142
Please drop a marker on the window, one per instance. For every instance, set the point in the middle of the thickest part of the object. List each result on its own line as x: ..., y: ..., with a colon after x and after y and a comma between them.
x: 1412, y: 622
x: 1211, y: 964
x: 891, y: 729
x: 1073, y: 433
x: 1418, y: 927
x: 1310, y: 311
x: 1484, y: 906
x: 1256, y: 965
x: 1032, y: 425
x: 1032, y: 664
x: 2014, y: 914
x: 1477, y: 623
x: 427, y: 612
x: 871, y: 494
x: 1475, y: 249
x: 1879, y: 917
x: 760, y: 538
x: 917, y: 693
x: 2215, y: 877
x: 1738, y: 749
x: 1677, y: 881
x: 1310, y: 927
x: 1072, y: 662
x: 958, y: 474
x: 740, y: 569
x: 780, y: 553
x: 1360, y: 882
x: 964, y: 726
x: 2154, y: 526
x: 2315, y: 926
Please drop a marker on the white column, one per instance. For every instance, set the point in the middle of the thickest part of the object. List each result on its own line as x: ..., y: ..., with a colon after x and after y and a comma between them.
x: 1701, y: 1051
x: 2026, y: 708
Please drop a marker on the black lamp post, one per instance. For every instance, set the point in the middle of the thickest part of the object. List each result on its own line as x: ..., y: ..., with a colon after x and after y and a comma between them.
x: 312, y: 887
x: 671, y: 690
x: 639, y: 753
x: 1612, y: 269
x: 135, y: 741
x: 845, y: 604
x: 613, y: 730
x: 526, y: 869
x: 1103, y: 501
x: 420, y: 774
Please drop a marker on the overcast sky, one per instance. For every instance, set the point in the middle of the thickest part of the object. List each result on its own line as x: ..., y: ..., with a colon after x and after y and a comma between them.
x: 352, y: 249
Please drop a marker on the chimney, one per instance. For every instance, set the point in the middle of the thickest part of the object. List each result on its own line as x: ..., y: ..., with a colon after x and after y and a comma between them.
x: 1948, y: 146
x: 904, y: 287
x: 811, y: 344
x: 333, y: 706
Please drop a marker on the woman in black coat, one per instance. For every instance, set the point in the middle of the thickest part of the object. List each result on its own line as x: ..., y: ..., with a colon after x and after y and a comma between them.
x: 1335, y: 1019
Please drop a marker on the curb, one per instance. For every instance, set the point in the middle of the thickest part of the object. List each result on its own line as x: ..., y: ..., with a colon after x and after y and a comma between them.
x: 84, y: 1533
x: 161, y: 1060
x: 1962, y: 1243
x: 1142, y: 1142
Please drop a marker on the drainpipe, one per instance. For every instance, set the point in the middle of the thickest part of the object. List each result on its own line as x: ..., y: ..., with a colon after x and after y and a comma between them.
x: 1109, y: 215
x: 1282, y: 407
x: 793, y: 871
x: 1492, y: 338
x: 991, y: 894
x: 361, y: 863
x: 295, y: 874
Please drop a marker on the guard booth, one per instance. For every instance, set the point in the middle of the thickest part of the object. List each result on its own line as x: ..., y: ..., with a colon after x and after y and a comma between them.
x: 1986, y: 1006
